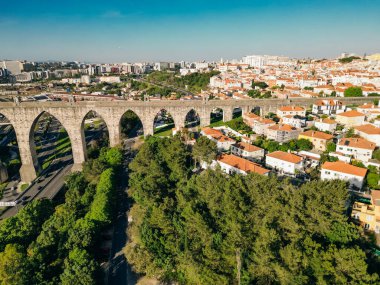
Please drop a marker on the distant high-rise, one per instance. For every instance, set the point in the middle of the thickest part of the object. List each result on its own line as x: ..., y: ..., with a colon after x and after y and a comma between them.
x: 13, y: 66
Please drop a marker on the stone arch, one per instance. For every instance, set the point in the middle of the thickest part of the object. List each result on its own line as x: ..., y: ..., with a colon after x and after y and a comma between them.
x: 46, y: 152
x: 131, y: 125
x: 216, y: 115
x: 192, y: 118
x: 94, y: 131
x: 10, y: 154
x: 237, y: 112
x: 163, y: 123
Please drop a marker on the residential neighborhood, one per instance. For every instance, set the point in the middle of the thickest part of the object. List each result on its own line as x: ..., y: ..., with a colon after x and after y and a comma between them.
x: 329, y: 145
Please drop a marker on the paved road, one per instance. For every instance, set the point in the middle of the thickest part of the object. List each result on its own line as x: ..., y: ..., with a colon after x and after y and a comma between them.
x: 120, y: 272
x: 46, y: 186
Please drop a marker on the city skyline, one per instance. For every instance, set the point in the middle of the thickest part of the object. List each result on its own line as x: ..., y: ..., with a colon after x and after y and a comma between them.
x: 191, y: 30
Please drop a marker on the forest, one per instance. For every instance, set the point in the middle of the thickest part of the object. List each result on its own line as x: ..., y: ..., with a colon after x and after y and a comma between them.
x: 57, y: 242
x: 204, y: 227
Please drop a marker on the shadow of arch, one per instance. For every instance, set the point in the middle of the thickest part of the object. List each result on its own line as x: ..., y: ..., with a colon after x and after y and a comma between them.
x: 95, y: 134
x: 130, y: 125
x: 163, y: 123
x: 10, y: 161
x: 49, y: 142
x: 216, y: 116
x: 192, y: 119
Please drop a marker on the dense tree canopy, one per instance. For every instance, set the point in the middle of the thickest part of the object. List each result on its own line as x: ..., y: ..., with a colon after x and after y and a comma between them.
x: 42, y: 245
x: 353, y: 92
x: 210, y: 228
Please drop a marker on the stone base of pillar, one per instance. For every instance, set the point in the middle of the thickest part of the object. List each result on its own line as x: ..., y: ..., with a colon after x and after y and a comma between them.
x: 77, y: 167
x: 28, y: 173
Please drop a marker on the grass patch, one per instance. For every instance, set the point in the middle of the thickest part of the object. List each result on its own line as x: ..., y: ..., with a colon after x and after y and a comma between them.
x: 164, y: 131
x: 24, y: 186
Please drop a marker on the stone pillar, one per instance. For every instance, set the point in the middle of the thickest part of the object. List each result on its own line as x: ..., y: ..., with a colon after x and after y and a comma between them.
x: 28, y: 154
x: 114, y: 133
x: 148, y: 126
x: 227, y: 114
x: 78, y: 147
x: 204, y: 117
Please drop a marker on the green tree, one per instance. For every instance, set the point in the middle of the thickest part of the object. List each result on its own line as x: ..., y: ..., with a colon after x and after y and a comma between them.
x: 353, y: 92
x: 304, y: 144
x: 331, y: 147
x: 204, y: 150
x: 79, y: 268
x: 14, y: 267
x: 350, y: 133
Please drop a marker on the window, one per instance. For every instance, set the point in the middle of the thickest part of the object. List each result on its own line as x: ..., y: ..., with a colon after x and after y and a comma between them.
x: 369, y: 218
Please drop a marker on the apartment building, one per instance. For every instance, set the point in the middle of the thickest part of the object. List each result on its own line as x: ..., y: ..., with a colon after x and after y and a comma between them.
x: 368, y: 215
x: 282, y: 133
x: 328, y: 107
x: 339, y: 170
x: 318, y: 139
x: 359, y: 148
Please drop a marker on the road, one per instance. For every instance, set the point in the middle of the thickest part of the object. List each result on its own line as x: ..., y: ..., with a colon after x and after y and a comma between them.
x: 46, y: 186
x: 120, y: 272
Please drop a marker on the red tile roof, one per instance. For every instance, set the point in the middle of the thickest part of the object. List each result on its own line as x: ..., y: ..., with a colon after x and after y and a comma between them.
x: 342, y: 167
x: 357, y: 143
x: 242, y: 164
x: 286, y: 156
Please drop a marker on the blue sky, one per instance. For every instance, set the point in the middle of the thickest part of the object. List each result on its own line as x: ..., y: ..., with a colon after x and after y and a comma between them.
x: 151, y: 30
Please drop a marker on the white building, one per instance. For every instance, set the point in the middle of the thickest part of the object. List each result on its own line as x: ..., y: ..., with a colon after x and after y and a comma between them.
x: 326, y: 125
x: 358, y: 148
x: 291, y: 110
x: 328, y: 107
x: 247, y: 150
x: 110, y: 79
x: 343, y: 171
x: 223, y: 142
x: 284, y: 162
x: 282, y: 133
x: 233, y: 164
x: 369, y: 132
x: 294, y: 121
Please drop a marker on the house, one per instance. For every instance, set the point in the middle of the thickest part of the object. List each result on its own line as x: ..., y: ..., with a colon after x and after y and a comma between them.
x: 350, y: 118
x: 223, y: 142
x: 368, y: 215
x: 318, y: 139
x: 284, y: 162
x: 258, y: 124
x: 282, y: 133
x: 249, y: 118
x: 339, y: 170
x: 233, y: 164
x: 247, y: 151
x: 328, y: 107
x: 294, y: 121
x: 326, y: 125
x: 359, y: 148
x: 369, y: 132
x: 291, y: 110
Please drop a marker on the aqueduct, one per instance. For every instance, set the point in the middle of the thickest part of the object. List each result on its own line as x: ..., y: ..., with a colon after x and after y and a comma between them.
x: 71, y: 114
